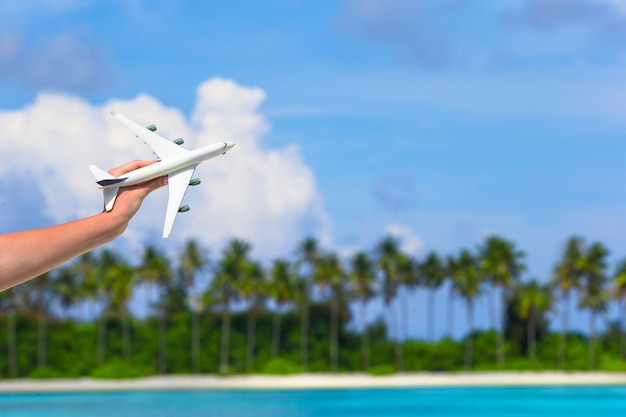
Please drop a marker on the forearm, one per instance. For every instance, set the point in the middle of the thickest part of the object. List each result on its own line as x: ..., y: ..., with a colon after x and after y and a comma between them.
x: 28, y: 254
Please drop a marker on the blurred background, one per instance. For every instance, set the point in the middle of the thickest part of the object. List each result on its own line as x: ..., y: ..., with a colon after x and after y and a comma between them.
x: 435, y: 124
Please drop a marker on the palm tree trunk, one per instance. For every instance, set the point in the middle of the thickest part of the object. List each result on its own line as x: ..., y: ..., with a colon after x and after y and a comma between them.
x: 450, y: 311
x: 531, y: 335
x: 304, y: 328
x: 126, y: 343
x: 225, y: 339
x: 404, y: 317
x: 195, y: 342
x: 42, y: 348
x: 564, y: 330
x: 398, y: 347
x: 592, y: 340
x: 276, y: 335
x: 501, y: 352
x: 102, y: 326
x: 163, y: 342
x: 469, y: 342
x: 431, y: 315
x: 623, y: 338
x: 334, y: 360
x: 209, y: 325
x: 12, y: 344
x: 251, y: 338
x: 365, y: 346
x: 492, y: 309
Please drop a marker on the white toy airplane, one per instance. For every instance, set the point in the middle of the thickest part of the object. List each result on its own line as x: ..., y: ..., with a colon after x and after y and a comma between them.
x: 176, y: 162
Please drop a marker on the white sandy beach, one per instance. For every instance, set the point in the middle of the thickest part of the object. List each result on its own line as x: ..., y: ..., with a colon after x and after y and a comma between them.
x: 318, y: 381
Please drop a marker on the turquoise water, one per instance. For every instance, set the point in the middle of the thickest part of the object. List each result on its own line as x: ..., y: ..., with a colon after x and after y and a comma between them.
x: 484, y: 402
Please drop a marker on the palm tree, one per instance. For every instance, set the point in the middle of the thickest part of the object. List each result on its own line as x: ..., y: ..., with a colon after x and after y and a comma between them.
x: 88, y: 286
x: 156, y: 272
x: 363, y: 279
x: 308, y: 253
x: 501, y: 265
x: 330, y: 275
x: 119, y: 280
x: 66, y: 288
x: 450, y: 264
x: 280, y: 288
x: 107, y: 260
x: 9, y: 306
x: 252, y: 288
x: 619, y: 288
x: 535, y: 300
x: 433, y: 274
x: 409, y: 280
x: 193, y: 261
x: 567, y: 276
x: 594, y: 297
x: 37, y: 299
x: 115, y: 278
x: 43, y: 300
x: 196, y: 307
x: 231, y: 270
x: 389, y: 261
x: 468, y: 282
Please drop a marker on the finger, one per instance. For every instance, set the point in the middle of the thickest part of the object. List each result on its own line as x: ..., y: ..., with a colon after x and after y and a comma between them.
x: 134, y: 195
x: 150, y: 185
x: 130, y: 166
x: 157, y: 183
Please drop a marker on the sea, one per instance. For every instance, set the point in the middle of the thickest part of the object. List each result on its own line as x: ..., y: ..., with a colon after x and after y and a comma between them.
x: 484, y: 402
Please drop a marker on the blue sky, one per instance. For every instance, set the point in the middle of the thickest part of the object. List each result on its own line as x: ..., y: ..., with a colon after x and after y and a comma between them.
x: 440, y: 122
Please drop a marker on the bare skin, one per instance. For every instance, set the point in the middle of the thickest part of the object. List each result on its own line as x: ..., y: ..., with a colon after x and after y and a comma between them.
x: 27, y: 254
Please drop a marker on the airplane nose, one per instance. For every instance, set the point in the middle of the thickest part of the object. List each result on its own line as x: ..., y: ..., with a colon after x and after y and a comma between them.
x: 228, y: 145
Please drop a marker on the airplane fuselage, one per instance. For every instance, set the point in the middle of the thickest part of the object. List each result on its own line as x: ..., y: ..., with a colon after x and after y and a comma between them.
x: 163, y: 168
x: 175, y: 162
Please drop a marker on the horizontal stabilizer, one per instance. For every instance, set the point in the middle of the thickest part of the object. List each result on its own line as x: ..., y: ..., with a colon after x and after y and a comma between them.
x: 107, y: 182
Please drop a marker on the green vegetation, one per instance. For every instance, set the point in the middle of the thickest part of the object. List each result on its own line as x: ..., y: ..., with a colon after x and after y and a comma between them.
x: 278, y: 366
x: 293, y: 315
x: 119, y: 368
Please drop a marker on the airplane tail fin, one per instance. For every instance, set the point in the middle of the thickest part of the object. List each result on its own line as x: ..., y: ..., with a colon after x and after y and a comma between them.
x: 100, y: 174
x: 103, y: 178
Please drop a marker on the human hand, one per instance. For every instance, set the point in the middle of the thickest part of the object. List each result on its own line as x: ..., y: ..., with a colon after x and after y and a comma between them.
x: 129, y: 199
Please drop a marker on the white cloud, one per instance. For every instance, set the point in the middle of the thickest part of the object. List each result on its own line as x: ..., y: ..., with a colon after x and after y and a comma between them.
x: 266, y: 196
x: 410, y: 243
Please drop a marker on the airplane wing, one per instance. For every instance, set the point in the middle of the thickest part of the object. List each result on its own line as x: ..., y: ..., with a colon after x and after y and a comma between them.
x: 177, y: 184
x: 163, y: 148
